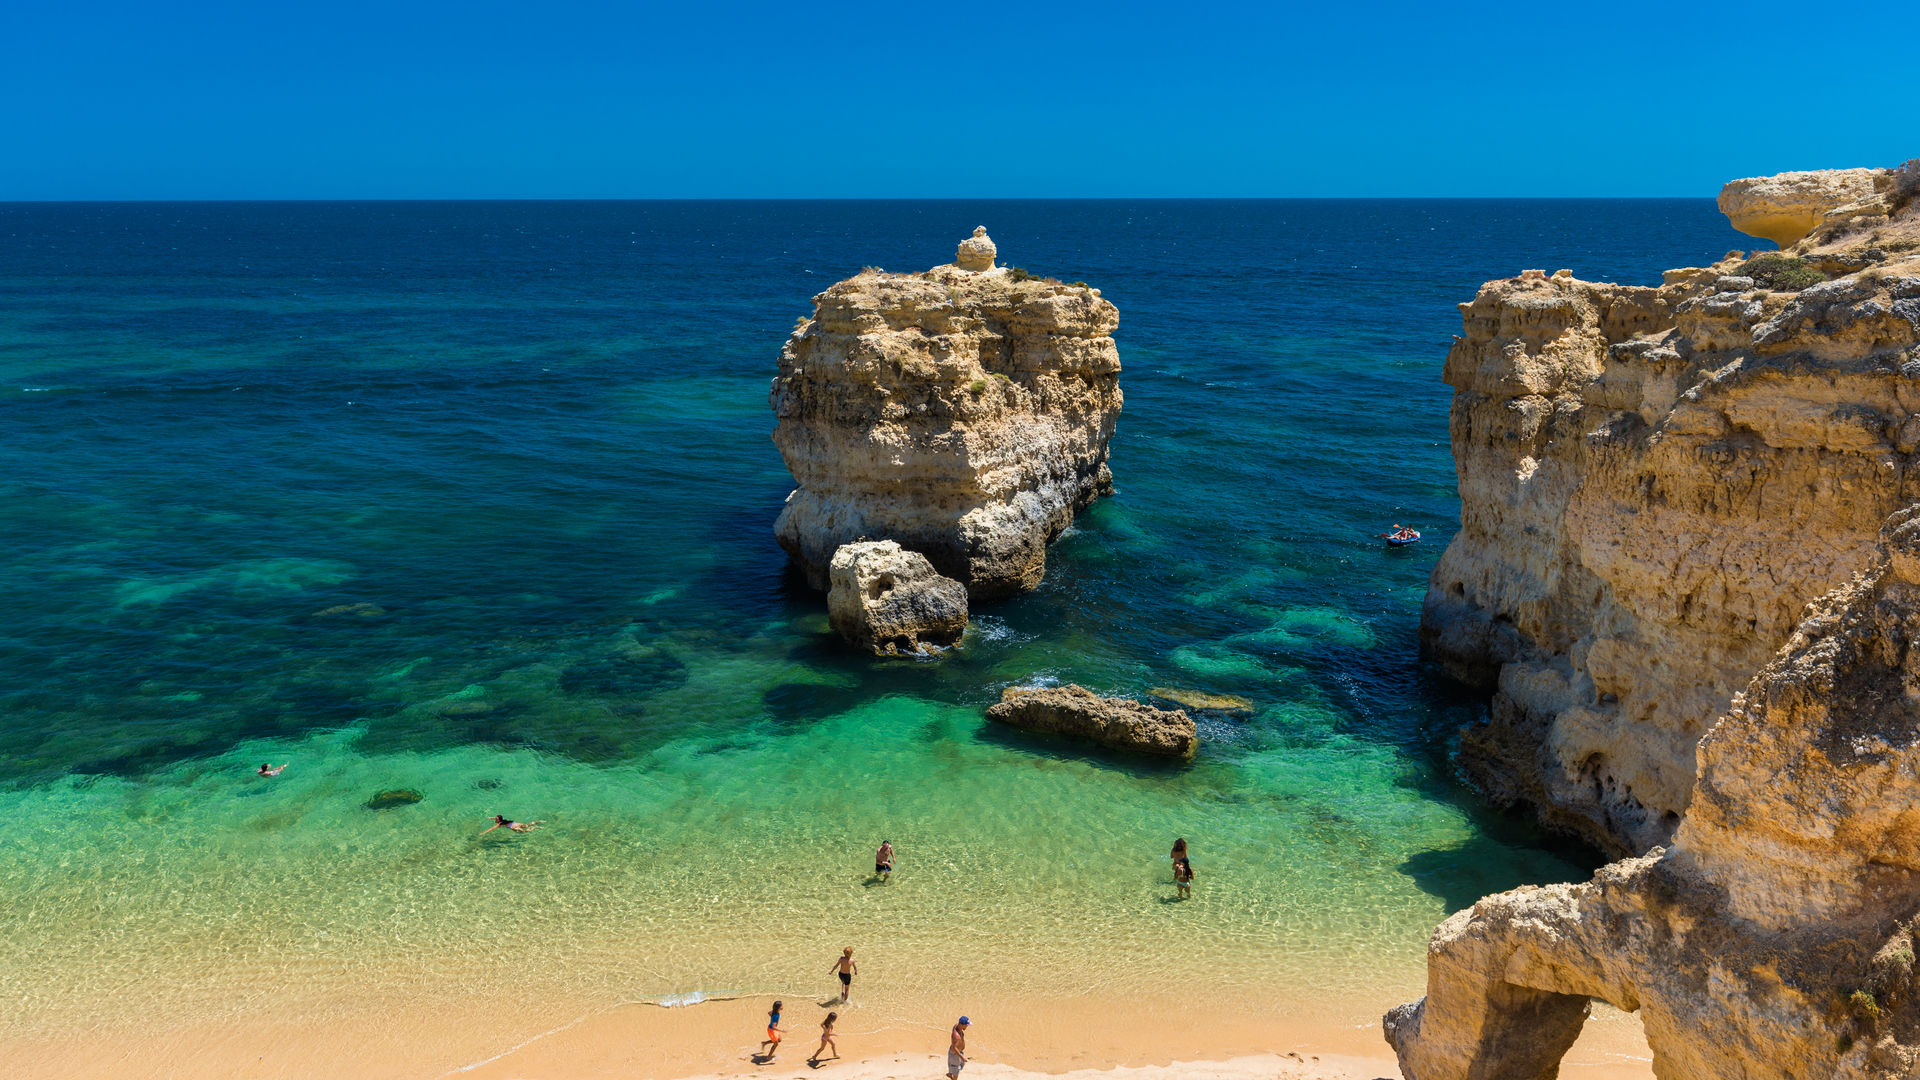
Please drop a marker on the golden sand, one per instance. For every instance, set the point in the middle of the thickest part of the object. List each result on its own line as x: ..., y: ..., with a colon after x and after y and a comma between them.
x: 1010, y: 1038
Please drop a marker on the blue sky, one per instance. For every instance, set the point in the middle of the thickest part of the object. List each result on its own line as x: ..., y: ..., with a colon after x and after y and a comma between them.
x: 348, y: 99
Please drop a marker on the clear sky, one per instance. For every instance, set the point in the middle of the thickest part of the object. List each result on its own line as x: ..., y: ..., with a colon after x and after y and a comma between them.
x: 708, y: 98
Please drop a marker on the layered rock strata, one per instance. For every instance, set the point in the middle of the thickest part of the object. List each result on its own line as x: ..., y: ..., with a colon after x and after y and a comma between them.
x: 1654, y: 483
x: 1113, y: 722
x: 963, y: 412
x: 1774, y: 939
x: 888, y: 600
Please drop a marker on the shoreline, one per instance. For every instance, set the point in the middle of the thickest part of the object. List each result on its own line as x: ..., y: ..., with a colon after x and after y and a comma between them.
x: 1011, y: 1039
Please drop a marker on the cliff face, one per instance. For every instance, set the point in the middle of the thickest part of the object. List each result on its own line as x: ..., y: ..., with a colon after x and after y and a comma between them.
x: 1656, y: 481
x: 963, y: 412
x: 1775, y: 938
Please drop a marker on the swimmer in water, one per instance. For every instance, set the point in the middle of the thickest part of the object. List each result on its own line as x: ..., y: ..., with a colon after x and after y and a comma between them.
x: 514, y: 826
x: 268, y: 769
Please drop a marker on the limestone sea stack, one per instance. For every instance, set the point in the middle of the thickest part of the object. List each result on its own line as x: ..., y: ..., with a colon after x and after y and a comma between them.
x: 1775, y: 939
x: 1118, y: 723
x: 889, y: 600
x: 1656, y: 481
x: 963, y: 412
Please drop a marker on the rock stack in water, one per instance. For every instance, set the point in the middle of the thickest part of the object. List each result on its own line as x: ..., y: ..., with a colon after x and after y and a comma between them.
x: 889, y: 600
x: 1654, y: 483
x: 963, y: 412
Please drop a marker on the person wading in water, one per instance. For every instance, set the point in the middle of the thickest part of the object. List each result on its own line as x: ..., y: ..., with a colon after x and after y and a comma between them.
x: 847, y: 969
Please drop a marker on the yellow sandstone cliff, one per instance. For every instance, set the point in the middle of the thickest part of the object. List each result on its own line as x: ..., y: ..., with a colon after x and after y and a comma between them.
x: 1774, y: 939
x: 1671, y: 495
x: 1656, y: 481
x: 963, y: 412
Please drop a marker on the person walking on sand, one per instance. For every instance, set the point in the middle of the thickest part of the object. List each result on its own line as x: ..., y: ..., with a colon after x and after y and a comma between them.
x: 511, y: 826
x: 847, y: 969
x: 883, y: 860
x: 771, y: 1044
x: 267, y: 769
x: 957, y: 1050
x: 826, y: 1039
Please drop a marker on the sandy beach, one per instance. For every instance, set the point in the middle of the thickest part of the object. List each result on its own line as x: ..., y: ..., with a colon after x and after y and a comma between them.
x: 521, y: 1041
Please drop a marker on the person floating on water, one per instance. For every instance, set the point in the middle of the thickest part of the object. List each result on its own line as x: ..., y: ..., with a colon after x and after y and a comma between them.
x: 1401, y: 534
x: 957, y: 1050
x: 512, y: 826
x: 883, y: 861
x: 771, y: 1044
x: 826, y: 1039
x: 847, y: 969
x: 267, y: 769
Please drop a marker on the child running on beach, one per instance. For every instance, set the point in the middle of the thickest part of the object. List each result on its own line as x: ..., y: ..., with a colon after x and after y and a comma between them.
x: 826, y: 1039
x: 771, y: 1044
x: 847, y: 969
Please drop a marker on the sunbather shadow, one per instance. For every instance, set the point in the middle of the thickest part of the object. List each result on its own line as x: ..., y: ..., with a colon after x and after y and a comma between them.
x: 874, y: 879
x: 832, y: 1003
x: 762, y: 1059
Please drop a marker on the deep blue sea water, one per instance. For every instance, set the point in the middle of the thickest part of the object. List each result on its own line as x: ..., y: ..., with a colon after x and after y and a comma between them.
x: 475, y: 499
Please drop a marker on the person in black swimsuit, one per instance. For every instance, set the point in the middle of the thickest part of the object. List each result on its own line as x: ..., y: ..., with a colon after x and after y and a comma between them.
x: 883, y: 861
x: 847, y: 969
x: 512, y: 826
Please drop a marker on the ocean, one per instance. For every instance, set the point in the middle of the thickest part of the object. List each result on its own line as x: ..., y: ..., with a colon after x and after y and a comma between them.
x: 473, y: 502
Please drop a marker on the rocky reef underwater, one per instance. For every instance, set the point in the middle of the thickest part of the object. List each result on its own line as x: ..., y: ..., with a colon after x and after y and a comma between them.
x: 1688, y: 573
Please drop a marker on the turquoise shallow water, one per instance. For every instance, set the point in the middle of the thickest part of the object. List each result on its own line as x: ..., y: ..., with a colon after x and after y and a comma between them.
x: 476, y: 500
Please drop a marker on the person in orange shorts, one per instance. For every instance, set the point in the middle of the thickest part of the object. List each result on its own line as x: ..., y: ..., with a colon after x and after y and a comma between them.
x: 771, y: 1045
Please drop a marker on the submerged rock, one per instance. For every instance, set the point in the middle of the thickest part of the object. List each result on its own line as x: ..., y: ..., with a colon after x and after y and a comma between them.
x: 1201, y: 700
x: 1654, y: 482
x: 388, y: 800
x: 890, y: 600
x: 964, y: 412
x: 1116, y: 722
x: 1773, y: 940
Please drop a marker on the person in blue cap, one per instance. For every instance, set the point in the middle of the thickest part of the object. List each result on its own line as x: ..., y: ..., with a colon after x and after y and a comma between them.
x: 957, y: 1050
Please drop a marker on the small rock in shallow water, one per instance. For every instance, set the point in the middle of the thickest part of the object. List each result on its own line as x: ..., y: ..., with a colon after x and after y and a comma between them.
x: 387, y: 800
x: 1115, y: 722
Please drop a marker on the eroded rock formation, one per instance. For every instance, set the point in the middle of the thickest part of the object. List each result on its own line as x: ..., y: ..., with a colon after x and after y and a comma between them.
x: 1785, y: 207
x: 1774, y: 939
x: 1656, y: 481
x: 890, y: 600
x: 1115, y: 722
x: 963, y: 412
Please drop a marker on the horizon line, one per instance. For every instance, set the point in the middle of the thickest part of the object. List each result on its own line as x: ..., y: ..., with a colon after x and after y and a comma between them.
x: 844, y: 198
